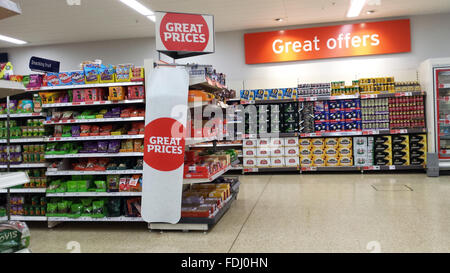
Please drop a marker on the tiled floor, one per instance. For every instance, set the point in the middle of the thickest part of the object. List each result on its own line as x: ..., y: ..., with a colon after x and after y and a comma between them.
x: 293, y: 213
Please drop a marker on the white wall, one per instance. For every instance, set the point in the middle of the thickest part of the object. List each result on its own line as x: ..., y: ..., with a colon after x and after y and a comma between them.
x: 430, y: 39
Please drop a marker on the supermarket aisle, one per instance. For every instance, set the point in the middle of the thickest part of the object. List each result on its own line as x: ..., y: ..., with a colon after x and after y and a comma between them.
x: 293, y: 213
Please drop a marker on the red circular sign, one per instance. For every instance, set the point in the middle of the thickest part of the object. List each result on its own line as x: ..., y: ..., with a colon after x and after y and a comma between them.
x: 164, y: 144
x: 184, y: 32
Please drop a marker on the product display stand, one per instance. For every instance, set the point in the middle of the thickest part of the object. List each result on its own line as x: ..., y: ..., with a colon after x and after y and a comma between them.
x: 196, y: 223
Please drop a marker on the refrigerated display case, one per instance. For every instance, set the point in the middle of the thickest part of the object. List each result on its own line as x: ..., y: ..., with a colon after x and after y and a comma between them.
x: 435, y: 80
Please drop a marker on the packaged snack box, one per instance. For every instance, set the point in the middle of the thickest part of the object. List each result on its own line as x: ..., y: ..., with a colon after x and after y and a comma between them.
x: 289, y: 93
x: 65, y: 78
x: 77, y: 77
x: 275, y: 94
x: 52, y: 79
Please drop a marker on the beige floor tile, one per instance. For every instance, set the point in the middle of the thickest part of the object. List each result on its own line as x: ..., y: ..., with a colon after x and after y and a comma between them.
x: 293, y: 213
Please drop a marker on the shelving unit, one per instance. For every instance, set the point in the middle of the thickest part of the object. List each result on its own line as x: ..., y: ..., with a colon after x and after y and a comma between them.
x: 107, y: 172
x: 92, y: 155
x: 98, y: 120
x: 93, y: 194
x: 90, y: 138
x: 93, y: 103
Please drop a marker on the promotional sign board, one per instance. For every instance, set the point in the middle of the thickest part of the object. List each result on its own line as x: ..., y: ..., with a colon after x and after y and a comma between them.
x: 371, y: 38
x: 181, y: 35
x: 44, y: 65
x: 164, y: 142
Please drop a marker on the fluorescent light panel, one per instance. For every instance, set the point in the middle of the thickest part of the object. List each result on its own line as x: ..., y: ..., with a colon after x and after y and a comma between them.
x: 12, y: 40
x: 356, y: 7
x: 138, y: 7
x: 152, y: 18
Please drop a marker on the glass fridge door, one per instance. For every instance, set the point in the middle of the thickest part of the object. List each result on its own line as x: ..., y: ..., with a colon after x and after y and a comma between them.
x: 443, y: 112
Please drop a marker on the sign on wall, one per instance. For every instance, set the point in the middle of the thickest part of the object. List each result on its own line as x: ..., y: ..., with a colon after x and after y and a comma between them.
x: 181, y: 35
x: 372, y: 38
x: 164, y: 142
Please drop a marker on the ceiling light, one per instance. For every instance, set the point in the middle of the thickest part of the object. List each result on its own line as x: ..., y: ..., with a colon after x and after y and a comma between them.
x: 138, y: 7
x: 152, y: 18
x: 12, y: 40
x: 356, y: 7
x: 279, y: 19
x: 370, y: 12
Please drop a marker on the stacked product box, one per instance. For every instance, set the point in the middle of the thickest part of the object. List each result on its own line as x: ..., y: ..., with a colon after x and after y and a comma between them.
x: 400, y: 150
x: 269, y: 94
x: 418, y: 149
x: 306, y: 117
x: 289, y: 118
x: 337, y: 115
x: 270, y: 152
x: 326, y: 152
x: 375, y: 114
x: 362, y: 151
x: 314, y: 89
x: 382, y: 150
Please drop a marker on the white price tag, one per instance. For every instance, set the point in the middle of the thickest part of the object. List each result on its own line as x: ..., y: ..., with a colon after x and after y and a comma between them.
x: 392, y: 167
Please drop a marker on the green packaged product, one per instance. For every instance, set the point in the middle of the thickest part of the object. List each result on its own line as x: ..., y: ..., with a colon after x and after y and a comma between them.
x: 63, y: 208
x: 54, y: 185
x: 87, y: 207
x: 98, y: 208
x: 52, y: 209
x: 76, y: 210
x: 72, y: 186
x: 62, y: 188
x: 14, y: 236
x: 100, y: 186
x: 83, y: 185
x: 2, y: 212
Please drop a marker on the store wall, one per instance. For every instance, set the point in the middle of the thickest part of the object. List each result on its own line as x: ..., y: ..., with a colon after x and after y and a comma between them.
x: 430, y: 39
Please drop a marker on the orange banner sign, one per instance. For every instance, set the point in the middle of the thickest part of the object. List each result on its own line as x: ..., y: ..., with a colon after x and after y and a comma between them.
x: 383, y: 37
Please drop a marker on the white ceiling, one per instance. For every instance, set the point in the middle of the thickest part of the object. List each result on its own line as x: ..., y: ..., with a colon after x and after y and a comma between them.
x: 53, y: 21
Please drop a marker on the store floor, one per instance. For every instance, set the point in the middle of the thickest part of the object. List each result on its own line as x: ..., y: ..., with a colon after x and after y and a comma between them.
x: 292, y: 213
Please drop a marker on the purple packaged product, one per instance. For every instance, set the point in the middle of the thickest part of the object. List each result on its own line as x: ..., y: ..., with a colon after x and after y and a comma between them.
x: 114, y: 146
x: 13, y: 106
x: 77, y: 77
x: 114, y: 113
x: 76, y: 130
x: 102, y: 146
x: 35, y: 81
x: 89, y: 147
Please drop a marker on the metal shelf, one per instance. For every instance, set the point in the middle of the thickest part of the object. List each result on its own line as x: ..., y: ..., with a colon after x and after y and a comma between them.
x: 28, y: 190
x: 28, y: 218
x: 93, y: 194
x: 97, y: 120
x: 91, y: 155
x: 10, y: 88
x: 76, y: 104
x: 64, y: 173
x: 393, y: 167
x: 261, y: 170
x: 25, y: 166
x: 193, y: 141
x: 366, y: 133
x: 205, y: 180
x: 90, y: 219
x: 194, y: 223
x: 340, y: 97
x: 23, y: 140
x: 83, y: 86
x: 23, y: 115
x: 218, y: 145
x: 331, y: 169
x: 87, y: 138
